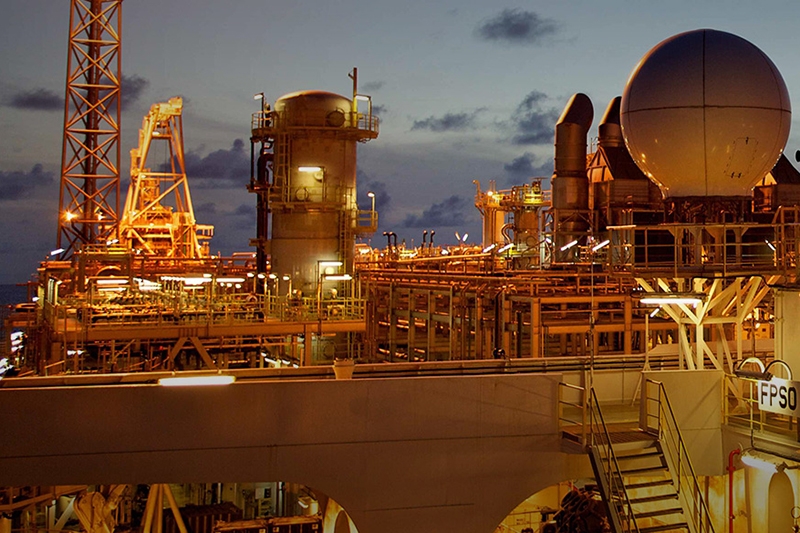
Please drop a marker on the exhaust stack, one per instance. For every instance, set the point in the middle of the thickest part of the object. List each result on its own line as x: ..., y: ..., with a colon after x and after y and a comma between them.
x: 569, y: 184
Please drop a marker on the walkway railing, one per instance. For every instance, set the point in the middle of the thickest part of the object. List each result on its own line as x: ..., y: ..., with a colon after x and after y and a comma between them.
x: 620, y: 509
x: 741, y: 410
x: 659, y: 420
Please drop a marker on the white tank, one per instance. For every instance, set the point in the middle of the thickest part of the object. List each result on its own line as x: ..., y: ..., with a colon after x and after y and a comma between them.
x: 705, y: 113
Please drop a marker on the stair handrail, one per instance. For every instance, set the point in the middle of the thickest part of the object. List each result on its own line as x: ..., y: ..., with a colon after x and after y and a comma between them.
x: 598, y: 434
x: 667, y: 426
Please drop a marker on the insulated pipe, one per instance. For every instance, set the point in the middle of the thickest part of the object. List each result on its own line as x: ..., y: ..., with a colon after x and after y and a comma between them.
x: 609, y: 131
x: 731, y: 470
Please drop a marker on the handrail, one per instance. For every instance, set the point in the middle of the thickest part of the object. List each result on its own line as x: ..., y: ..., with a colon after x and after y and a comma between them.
x: 580, y: 405
x: 599, y: 435
x: 668, y: 432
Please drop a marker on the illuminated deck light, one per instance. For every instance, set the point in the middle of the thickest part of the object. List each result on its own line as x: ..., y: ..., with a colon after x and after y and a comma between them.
x: 601, y: 245
x: 192, y: 381
x: 338, y: 277
x: 666, y: 300
x: 111, y: 281
x: 309, y: 169
x: 505, y: 248
x: 569, y: 245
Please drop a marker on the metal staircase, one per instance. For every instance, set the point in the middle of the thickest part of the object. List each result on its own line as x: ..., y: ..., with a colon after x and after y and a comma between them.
x: 644, y: 473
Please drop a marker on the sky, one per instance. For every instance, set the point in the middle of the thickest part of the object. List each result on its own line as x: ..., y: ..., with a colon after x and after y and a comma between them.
x: 465, y: 91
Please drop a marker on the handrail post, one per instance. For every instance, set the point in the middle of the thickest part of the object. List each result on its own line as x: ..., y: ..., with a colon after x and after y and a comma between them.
x: 584, y: 405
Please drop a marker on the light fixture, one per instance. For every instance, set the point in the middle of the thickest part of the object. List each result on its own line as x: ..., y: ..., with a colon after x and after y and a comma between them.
x: 370, y: 194
x: 771, y: 246
x: 338, y: 277
x: 464, y: 238
x: 230, y: 280
x: 191, y: 381
x: 489, y: 248
x: 272, y: 275
x: 326, y: 264
x: 261, y: 275
x: 57, y: 251
x: 569, y: 245
x: 69, y: 215
x: 309, y: 169
x: 112, y: 281
x: 601, y: 245
x: 655, y: 311
x: 258, y: 96
x: 286, y: 277
x: 505, y: 248
x: 667, y: 300
x: 362, y: 97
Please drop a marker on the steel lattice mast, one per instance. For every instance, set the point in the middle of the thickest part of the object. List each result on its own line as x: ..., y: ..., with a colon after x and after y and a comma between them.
x: 89, y: 198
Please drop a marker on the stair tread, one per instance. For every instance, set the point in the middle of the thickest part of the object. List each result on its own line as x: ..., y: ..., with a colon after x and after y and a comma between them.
x: 664, y: 527
x: 647, y: 484
x: 621, y: 456
x: 656, y: 498
x: 661, y: 512
x: 643, y: 469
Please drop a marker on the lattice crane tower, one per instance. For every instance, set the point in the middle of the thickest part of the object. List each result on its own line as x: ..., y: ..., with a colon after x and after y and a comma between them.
x: 89, y: 197
x: 158, y: 218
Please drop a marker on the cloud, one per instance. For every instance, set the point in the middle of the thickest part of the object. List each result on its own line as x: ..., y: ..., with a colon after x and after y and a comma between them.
x: 131, y: 89
x: 219, y: 169
x: 522, y: 168
x: 245, y: 210
x: 379, y: 110
x: 447, y: 213
x: 532, y: 123
x: 515, y: 26
x: 366, y: 184
x: 372, y: 86
x: 36, y: 100
x: 208, y: 208
x: 16, y: 185
x: 447, y: 122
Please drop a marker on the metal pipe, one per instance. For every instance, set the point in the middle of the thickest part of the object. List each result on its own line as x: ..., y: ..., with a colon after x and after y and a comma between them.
x: 731, y: 469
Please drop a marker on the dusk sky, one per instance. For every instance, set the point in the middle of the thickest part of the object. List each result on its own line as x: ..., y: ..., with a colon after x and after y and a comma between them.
x: 465, y: 90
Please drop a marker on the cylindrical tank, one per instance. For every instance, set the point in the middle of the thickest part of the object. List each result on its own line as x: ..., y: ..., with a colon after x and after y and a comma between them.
x: 705, y: 113
x: 315, y: 206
